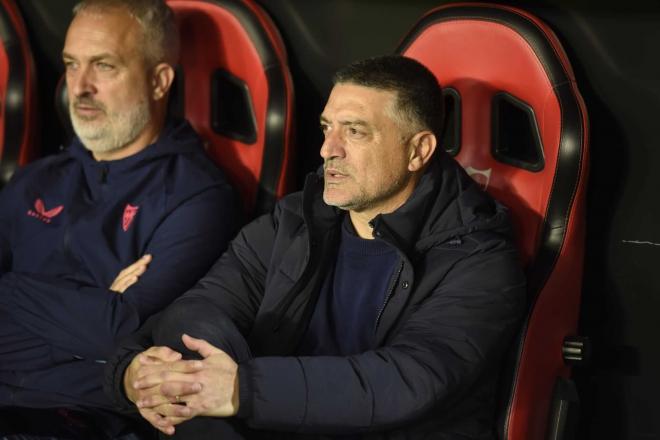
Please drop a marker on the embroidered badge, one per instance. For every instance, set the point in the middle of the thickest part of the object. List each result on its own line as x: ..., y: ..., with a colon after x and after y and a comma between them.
x: 42, y: 214
x: 129, y: 215
x: 482, y: 177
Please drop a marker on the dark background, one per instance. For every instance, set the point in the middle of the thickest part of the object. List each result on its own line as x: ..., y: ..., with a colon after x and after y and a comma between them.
x: 614, y: 49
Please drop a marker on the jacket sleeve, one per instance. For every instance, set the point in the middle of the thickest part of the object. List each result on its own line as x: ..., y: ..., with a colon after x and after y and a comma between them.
x: 85, y: 322
x: 450, y: 339
x: 234, y: 284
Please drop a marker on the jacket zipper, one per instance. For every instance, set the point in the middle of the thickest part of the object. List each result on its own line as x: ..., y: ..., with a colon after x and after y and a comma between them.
x: 103, y: 175
x: 390, y: 292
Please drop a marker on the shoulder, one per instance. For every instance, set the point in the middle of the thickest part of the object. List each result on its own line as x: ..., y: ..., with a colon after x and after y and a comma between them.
x: 190, y: 178
x: 290, y: 205
x: 286, y: 215
x: 195, y: 163
x: 47, y: 169
x: 188, y: 165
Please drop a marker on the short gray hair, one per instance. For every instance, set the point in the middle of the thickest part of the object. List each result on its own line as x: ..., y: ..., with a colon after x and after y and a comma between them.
x: 161, y: 35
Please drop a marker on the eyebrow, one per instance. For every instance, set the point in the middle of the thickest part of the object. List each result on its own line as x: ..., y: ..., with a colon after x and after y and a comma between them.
x: 101, y: 56
x: 359, y: 122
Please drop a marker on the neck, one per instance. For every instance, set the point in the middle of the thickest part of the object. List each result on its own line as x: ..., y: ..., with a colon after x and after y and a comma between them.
x: 360, y: 222
x: 361, y: 219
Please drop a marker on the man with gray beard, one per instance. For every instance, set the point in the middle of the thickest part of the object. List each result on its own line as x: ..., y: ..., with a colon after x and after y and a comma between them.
x: 96, y: 239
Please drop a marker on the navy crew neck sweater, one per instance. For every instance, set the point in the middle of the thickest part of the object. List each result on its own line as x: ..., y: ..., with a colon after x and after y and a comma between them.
x: 351, y: 297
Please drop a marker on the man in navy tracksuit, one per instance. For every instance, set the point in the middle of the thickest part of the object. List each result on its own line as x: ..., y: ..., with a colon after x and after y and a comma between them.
x: 376, y: 303
x: 99, y: 237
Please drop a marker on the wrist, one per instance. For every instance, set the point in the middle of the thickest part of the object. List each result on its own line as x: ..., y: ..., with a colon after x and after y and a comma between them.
x: 235, y: 398
x: 129, y: 391
x: 244, y: 391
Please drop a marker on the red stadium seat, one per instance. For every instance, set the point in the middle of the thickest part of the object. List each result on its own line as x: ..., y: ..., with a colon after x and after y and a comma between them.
x: 234, y: 86
x: 517, y: 123
x: 17, y: 93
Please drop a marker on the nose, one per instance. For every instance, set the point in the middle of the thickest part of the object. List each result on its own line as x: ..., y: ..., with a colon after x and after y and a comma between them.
x: 333, y: 145
x: 80, y: 82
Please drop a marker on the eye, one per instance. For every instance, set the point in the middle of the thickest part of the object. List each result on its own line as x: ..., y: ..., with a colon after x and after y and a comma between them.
x: 324, y: 128
x: 104, y: 66
x: 355, y: 132
x: 70, y: 65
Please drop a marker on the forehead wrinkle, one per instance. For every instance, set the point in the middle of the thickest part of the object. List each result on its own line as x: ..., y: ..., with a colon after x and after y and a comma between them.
x: 347, y: 122
x: 93, y: 58
x: 353, y: 104
x: 115, y: 32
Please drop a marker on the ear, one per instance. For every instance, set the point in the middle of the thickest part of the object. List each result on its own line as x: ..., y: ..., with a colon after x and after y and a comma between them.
x: 161, y: 80
x: 422, y: 147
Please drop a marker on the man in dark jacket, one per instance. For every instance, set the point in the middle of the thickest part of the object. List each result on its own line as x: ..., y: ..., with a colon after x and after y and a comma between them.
x: 378, y: 302
x: 96, y: 239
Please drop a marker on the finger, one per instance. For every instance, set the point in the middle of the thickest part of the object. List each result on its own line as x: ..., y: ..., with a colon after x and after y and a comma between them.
x: 183, y: 373
x: 138, y: 265
x: 162, y: 368
x: 126, y: 280
x: 149, y: 360
x: 143, y: 261
x: 175, y: 392
x: 200, y: 346
x: 171, y: 411
x: 135, y: 269
x: 129, y: 275
x: 159, y: 354
x: 157, y: 421
x: 159, y: 400
x: 118, y: 285
x: 179, y: 393
x: 176, y: 420
x: 121, y: 285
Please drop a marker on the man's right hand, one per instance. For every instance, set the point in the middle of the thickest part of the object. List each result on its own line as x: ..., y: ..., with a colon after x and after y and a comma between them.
x: 130, y: 274
x: 159, y: 357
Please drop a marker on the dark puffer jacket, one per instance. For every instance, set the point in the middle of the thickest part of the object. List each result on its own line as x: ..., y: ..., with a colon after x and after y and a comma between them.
x: 441, y: 334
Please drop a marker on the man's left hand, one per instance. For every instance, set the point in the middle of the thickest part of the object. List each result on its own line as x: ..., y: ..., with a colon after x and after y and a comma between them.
x: 211, y: 390
x: 130, y: 274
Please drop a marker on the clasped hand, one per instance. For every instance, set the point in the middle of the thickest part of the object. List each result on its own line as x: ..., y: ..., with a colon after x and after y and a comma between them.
x: 168, y: 390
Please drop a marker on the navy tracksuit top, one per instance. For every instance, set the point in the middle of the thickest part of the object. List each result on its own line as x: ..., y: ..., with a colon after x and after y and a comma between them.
x: 68, y: 225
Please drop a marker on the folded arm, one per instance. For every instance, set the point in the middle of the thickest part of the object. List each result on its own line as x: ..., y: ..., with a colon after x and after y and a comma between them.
x: 84, y: 321
x: 241, y: 269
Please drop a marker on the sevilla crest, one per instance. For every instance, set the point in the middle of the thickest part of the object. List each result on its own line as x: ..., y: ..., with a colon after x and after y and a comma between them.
x: 129, y: 215
x: 482, y: 177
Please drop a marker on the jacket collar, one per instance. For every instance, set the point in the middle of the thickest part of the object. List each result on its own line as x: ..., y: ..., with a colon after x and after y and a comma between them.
x: 445, y: 204
x: 177, y: 137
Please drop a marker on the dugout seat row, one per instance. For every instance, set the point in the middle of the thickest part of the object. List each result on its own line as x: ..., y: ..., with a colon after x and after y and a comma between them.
x: 17, y: 93
x: 515, y: 120
x: 234, y: 86
x: 517, y: 123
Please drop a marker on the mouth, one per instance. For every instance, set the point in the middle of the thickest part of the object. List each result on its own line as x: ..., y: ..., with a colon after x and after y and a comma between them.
x: 332, y: 175
x: 87, y: 109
